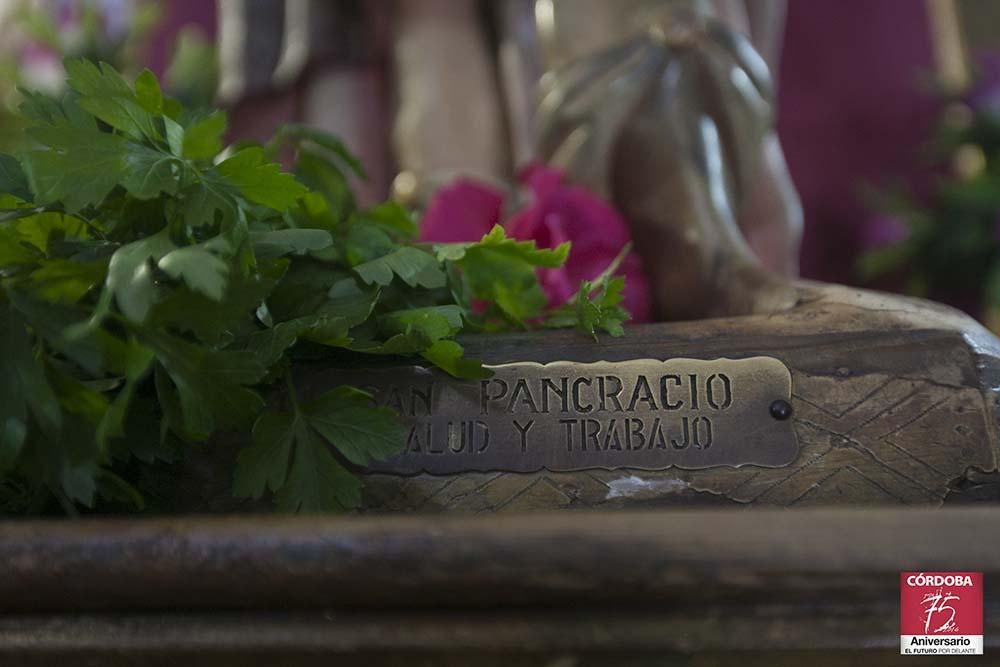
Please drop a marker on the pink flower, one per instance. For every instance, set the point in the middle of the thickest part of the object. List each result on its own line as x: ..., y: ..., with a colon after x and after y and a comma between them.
x: 558, y: 212
x: 463, y: 211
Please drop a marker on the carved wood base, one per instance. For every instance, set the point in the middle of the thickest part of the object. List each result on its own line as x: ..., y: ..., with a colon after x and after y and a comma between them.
x: 895, y: 401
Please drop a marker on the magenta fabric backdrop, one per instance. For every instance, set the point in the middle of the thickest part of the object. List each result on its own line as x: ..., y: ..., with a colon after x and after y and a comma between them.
x: 176, y: 15
x: 851, y: 111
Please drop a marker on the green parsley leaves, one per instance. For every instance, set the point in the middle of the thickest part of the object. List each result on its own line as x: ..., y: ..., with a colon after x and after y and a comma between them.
x: 156, y: 288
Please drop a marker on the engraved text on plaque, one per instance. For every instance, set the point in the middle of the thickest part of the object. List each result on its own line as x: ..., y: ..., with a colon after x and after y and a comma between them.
x: 643, y: 413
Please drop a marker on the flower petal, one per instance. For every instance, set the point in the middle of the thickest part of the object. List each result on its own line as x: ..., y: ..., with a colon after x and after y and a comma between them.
x: 463, y: 211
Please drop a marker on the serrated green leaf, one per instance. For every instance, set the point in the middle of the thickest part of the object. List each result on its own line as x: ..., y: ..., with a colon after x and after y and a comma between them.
x: 26, y: 384
x: 203, y: 138
x: 200, y: 269
x: 24, y: 390
x: 365, y: 243
x: 402, y: 344
x: 413, y: 266
x: 345, y: 306
x: 66, y: 281
x: 105, y: 94
x: 291, y: 454
x: 304, y: 288
x: 338, y: 315
x: 15, y: 250
x: 450, y: 357
x: 172, y: 109
x: 434, y: 322
x: 112, y: 424
x: 329, y: 143
x: 594, y: 307
x: 312, y: 211
x: 357, y: 429
x: 68, y: 330
x: 148, y: 436
x: 42, y: 228
x: 264, y: 465
x: 210, y: 195
x: 123, y: 114
x: 217, y: 271
x: 172, y: 421
x: 175, y: 136
x: 269, y: 345
x: 278, y: 242
x: 113, y: 488
x: 498, y: 244
x: 130, y: 275
x: 450, y: 252
x: 410, y: 331
x: 148, y: 172
x: 217, y: 322
x: 138, y: 363
x: 148, y: 93
x: 392, y: 217
x: 76, y: 398
x: 79, y: 168
x: 597, y: 304
x: 316, y: 482
x: 12, y: 178
x: 520, y: 301
x: 260, y: 181
x: 40, y: 108
x: 326, y: 179
x: 92, y: 79
x: 212, y: 386
x: 79, y: 482
x: 503, y: 271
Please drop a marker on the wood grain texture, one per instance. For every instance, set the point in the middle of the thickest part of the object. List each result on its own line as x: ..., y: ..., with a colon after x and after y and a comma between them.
x: 597, y: 588
x: 693, y: 587
x: 745, y: 635
x: 555, y: 560
x: 895, y: 401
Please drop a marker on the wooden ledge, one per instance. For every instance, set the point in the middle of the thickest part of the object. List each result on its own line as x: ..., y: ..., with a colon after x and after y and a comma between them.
x: 585, y: 588
x: 635, y: 560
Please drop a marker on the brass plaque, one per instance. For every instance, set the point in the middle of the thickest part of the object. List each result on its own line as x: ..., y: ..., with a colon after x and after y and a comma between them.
x: 643, y: 413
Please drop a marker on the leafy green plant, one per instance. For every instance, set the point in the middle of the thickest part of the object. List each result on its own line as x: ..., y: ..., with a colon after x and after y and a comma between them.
x: 157, y: 286
x: 941, y: 239
x: 38, y: 34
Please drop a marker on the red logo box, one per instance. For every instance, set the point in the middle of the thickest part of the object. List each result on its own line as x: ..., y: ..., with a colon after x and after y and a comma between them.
x: 941, y: 613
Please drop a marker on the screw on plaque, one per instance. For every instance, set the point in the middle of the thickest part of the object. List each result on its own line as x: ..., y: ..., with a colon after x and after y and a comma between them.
x: 780, y: 409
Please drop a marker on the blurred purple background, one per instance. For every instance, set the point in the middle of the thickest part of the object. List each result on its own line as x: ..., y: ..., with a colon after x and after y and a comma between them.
x: 852, y: 111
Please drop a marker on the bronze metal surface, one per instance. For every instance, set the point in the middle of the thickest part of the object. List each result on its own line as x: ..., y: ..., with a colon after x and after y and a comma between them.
x: 642, y: 413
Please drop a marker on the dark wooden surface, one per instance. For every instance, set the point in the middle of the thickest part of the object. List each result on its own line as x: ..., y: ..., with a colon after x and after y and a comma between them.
x: 895, y: 402
x: 629, y: 585
x: 635, y: 559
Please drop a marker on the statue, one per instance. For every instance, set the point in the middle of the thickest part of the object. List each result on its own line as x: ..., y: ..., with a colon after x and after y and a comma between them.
x: 663, y: 108
x: 792, y: 393
x: 670, y: 117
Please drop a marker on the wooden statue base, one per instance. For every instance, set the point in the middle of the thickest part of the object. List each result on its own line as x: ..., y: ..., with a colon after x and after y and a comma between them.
x: 894, y: 400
